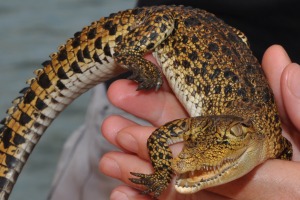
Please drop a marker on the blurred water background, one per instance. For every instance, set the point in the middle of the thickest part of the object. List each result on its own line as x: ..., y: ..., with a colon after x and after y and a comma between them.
x: 29, y: 31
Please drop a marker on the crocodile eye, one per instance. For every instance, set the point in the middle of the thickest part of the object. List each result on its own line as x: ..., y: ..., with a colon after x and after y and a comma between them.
x: 246, y: 124
x: 236, y: 130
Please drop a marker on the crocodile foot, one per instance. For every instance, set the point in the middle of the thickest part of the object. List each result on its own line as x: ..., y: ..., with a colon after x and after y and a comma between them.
x: 155, y: 183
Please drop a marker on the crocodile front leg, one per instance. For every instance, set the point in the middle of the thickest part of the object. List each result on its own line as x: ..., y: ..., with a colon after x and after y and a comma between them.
x: 161, y: 156
x: 156, y: 27
x: 217, y: 149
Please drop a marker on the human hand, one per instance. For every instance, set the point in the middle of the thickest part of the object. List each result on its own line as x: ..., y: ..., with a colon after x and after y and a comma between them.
x: 161, y: 107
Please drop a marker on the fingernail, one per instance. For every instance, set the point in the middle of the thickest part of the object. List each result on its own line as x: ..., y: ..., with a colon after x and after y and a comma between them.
x: 294, y: 80
x: 128, y: 142
x: 111, y: 167
x: 117, y: 195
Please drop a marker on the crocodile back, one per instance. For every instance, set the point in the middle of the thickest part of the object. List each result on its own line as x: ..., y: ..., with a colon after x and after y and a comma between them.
x: 212, y: 71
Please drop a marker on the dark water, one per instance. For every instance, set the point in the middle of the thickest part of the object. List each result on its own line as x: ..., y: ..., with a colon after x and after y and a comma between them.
x: 29, y: 31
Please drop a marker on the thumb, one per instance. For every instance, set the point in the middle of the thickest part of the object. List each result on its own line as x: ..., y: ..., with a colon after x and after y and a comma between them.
x: 290, y: 89
x: 274, y: 62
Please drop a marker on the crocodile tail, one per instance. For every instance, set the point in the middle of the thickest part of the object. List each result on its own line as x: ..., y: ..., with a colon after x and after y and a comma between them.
x: 84, y: 61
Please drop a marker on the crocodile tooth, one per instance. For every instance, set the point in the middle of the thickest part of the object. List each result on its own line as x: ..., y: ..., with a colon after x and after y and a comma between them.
x: 186, y: 184
x: 192, y: 173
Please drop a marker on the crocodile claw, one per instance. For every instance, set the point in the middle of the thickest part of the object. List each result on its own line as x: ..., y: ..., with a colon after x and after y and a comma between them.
x: 155, y: 183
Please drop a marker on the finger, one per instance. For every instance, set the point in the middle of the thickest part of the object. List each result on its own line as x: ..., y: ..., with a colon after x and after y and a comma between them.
x: 112, y: 125
x: 261, y: 182
x: 134, y: 139
x: 113, y: 164
x: 127, y: 193
x: 118, y: 165
x: 274, y: 61
x: 155, y: 107
x: 291, y: 99
x: 291, y: 92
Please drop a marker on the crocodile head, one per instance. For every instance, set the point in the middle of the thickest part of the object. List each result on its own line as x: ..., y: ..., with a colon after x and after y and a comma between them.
x: 219, y: 150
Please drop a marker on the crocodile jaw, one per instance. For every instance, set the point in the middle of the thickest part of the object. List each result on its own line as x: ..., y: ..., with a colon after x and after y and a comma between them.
x: 212, y: 175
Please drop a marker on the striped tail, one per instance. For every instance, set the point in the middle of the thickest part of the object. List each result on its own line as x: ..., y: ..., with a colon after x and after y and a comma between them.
x: 81, y: 63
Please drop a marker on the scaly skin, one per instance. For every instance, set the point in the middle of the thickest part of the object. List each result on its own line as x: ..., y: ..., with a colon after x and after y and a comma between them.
x: 211, y: 70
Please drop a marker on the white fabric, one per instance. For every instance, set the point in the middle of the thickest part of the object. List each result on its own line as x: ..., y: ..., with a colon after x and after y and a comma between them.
x: 77, y: 176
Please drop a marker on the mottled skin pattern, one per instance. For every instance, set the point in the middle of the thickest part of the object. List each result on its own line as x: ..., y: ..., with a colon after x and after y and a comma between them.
x: 211, y: 70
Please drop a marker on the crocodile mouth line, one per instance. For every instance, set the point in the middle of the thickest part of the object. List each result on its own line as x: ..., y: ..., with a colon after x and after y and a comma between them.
x: 205, y: 175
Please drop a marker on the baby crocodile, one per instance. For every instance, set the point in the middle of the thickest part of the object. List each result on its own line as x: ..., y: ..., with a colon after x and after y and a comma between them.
x: 234, y: 124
